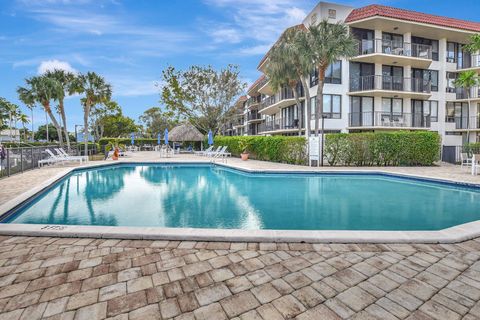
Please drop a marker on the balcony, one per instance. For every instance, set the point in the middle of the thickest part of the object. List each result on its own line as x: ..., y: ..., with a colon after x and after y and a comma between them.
x: 279, y: 126
x: 253, y: 101
x: 254, y: 117
x: 390, y: 86
x: 465, y: 123
x: 469, y: 62
x: 283, y: 98
x: 461, y: 94
x: 391, y: 52
x: 387, y: 120
x: 265, y: 88
x: 239, y: 122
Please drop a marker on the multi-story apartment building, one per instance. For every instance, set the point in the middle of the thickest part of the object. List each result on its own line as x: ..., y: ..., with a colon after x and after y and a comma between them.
x: 401, y: 78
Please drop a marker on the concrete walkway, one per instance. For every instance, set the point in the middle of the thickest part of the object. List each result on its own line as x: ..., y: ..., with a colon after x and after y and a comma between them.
x: 65, y: 278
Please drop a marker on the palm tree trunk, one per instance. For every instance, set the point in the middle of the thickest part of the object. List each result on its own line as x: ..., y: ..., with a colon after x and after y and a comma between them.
x: 319, y: 108
x: 468, y: 120
x: 86, y: 112
x: 64, y: 122
x: 293, y: 87
x: 308, y: 107
x: 46, y: 106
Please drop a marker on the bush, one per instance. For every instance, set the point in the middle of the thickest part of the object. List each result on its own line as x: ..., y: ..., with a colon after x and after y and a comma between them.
x: 472, y: 148
x: 127, y: 141
x: 399, y: 148
x: 273, y: 148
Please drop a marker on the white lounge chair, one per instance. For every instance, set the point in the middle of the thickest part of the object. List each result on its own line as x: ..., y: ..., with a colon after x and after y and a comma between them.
x: 201, y: 153
x: 222, y: 154
x: 213, y: 152
x: 52, y: 159
x: 62, y: 152
x: 63, y: 157
x: 465, y: 160
x: 475, y: 164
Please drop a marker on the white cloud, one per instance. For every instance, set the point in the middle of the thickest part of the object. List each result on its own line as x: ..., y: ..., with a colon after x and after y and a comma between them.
x: 50, y: 65
x: 133, y: 87
x: 230, y: 35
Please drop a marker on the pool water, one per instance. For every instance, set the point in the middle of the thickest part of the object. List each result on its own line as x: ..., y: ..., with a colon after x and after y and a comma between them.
x: 210, y: 196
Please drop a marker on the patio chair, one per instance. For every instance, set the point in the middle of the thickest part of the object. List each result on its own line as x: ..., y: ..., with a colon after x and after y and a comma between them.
x: 222, y: 154
x: 201, y: 153
x: 60, y: 156
x: 465, y: 160
x: 63, y: 152
x: 52, y: 159
x: 475, y: 164
x: 213, y: 152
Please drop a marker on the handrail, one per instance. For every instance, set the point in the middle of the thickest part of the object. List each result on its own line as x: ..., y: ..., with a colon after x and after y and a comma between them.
x: 388, y: 119
x: 394, y: 47
x: 390, y: 83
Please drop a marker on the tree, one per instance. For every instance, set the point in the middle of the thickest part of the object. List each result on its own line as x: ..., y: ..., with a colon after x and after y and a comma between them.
x: 202, y: 95
x: 41, y: 133
x: 23, y: 118
x: 6, y: 109
x: 327, y: 42
x: 64, y: 81
x: 42, y: 90
x: 288, y: 66
x: 98, y: 114
x: 118, y: 125
x: 96, y: 91
x: 474, y: 43
x: 156, y: 121
x: 467, y: 80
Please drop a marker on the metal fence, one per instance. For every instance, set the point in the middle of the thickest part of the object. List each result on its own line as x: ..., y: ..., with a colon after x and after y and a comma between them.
x: 20, y: 159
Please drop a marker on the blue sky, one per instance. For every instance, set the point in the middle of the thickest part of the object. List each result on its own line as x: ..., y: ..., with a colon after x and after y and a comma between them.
x: 130, y: 42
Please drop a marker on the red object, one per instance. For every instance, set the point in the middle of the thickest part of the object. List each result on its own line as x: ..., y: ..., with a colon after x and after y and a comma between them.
x: 409, y: 15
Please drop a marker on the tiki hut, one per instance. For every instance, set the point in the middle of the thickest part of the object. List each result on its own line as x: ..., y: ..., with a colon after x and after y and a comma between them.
x: 185, y: 133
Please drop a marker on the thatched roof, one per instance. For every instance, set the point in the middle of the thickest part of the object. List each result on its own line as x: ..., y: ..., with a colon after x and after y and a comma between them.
x: 185, y: 132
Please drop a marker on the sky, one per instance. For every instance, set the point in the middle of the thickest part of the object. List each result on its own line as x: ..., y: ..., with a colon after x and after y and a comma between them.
x: 130, y: 42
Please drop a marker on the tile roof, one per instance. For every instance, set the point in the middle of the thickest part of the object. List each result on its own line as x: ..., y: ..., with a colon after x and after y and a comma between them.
x: 409, y: 15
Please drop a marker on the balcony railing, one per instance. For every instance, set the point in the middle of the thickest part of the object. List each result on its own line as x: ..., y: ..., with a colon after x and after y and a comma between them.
x: 279, y: 124
x: 461, y: 93
x: 390, y: 83
x: 284, y: 94
x: 472, y: 122
x: 253, y: 116
x: 386, y: 119
x: 393, y: 47
x: 469, y: 61
x: 253, y: 101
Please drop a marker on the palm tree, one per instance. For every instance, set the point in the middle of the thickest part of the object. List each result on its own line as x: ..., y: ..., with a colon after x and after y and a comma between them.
x: 467, y: 80
x: 283, y: 68
x: 42, y: 90
x: 474, y: 44
x: 28, y: 99
x: 96, y: 91
x: 327, y: 43
x: 23, y: 118
x: 64, y: 80
x: 8, y: 110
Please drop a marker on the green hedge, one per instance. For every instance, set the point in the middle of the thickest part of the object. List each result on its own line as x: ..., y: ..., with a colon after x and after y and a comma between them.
x: 399, y: 148
x: 473, y: 147
x: 273, y: 148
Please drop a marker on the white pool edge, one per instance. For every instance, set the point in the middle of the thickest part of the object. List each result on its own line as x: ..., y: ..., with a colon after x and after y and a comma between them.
x: 454, y: 234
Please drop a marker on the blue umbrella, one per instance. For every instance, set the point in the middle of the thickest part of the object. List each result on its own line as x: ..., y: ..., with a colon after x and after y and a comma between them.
x: 159, y: 136
x: 166, y: 136
x: 133, y: 138
x: 210, y: 137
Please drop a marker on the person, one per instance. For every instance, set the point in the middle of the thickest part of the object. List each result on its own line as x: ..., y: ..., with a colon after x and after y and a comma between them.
x: 3, y: 155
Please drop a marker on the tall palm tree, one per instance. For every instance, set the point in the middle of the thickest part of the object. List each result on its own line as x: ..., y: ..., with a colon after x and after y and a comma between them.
x: 28, y: 99
x: 474, y: 43
x: 64, y: 80
x: 281, y: 69
x: 328, y: 42
x: 23, y: 118
x: 96, y: 91
x: 42, y: 90
x: 467, y: 80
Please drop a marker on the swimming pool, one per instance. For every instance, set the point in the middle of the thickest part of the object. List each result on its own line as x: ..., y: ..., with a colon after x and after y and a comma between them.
x: 213, y: 196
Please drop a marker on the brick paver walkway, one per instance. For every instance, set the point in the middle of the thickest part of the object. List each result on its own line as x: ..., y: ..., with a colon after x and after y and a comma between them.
x: 86, y: 279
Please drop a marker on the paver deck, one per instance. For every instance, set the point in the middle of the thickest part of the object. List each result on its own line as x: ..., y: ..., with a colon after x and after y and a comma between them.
x: 71, y: 278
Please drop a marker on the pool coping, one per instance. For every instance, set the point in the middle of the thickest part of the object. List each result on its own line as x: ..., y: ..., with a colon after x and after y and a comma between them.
x: 453, y: 234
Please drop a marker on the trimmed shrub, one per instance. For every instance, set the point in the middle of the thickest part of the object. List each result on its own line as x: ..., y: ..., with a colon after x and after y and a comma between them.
x: 399, y: 148
x: 282, y: 149
x: 473, y: 147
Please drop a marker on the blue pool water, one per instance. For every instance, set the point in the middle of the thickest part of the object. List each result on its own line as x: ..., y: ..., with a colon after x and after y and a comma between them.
x: 208, y: 196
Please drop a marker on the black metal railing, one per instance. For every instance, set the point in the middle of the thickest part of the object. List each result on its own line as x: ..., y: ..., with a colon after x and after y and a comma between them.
x: 283, y: 94
x: 394, y: 47
x: 390, y: 83
x: 388, y: 119
x: 253, y: 116
x: 469, y: 61
x: 467, y: 122
x: 280, y: 124
x: 461, y: 93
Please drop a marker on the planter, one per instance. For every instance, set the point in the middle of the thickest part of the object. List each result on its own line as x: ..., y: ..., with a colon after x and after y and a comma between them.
x: 244, y: 156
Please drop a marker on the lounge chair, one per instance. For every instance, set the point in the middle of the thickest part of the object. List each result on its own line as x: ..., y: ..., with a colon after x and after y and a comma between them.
x: 62, y: 152
x: 63, y: 157
x: 201, y: 153
x: 475, y: 164
x: 212, y: 152
x: 52, y: 159
x: 465, y: 160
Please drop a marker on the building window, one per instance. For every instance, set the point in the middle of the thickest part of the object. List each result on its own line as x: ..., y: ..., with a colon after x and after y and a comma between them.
x: 452, y: 52
x: 456, y: 110
x: 332, y: 13
x: 361, y: 111
x: 427, y: 42
x: 427, y: 76
x: 334, y: 73
x: 392, y: 106
x: 332, y: 106
x: 432, y: 108
x: 451, y: 77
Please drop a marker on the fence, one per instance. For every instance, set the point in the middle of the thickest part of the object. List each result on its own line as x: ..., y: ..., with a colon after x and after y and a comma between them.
x: 20, y: 159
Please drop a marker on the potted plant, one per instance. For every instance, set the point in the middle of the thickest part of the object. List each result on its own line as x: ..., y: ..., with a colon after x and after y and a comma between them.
x: 244, y: 146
